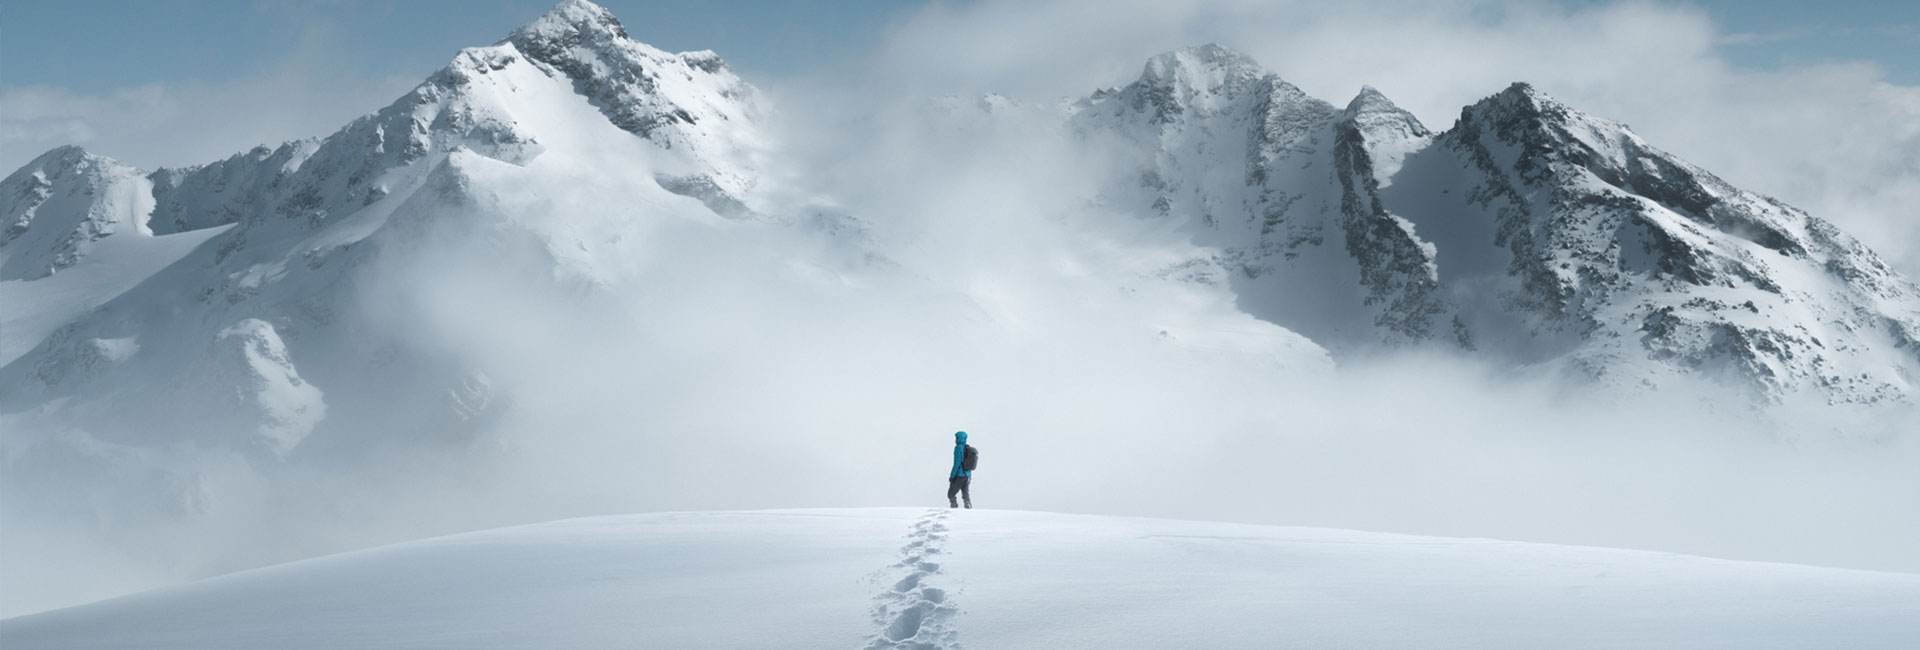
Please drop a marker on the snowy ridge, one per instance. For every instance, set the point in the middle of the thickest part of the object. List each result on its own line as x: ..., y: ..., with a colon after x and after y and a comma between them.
x: 690, y: 102
x: 1034, y: 580
x: 1280, y: 185
x: 1528, y: 232
x: 60, y: 204
x: 1643, y: 265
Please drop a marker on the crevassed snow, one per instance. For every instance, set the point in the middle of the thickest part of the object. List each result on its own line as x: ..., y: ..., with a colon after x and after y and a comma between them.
x: 940, y: 579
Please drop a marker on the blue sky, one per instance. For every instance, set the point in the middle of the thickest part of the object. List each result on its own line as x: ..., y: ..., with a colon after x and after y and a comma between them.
x: 101, y: 45
x: 96, y: 46
x: 1769, y: 33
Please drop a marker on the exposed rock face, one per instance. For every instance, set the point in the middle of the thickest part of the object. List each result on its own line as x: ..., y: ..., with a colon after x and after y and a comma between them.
x: 1396, y: 267
x: 1528, y: 231
x: 1285, y: 188
x: 1641, y: 258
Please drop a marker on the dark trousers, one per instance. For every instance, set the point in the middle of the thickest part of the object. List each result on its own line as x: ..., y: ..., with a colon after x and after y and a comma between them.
x: 960, y: 485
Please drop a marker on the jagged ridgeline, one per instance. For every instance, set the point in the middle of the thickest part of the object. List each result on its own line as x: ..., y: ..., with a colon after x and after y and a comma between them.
x: 228, y: 300
x: 1528, y: 233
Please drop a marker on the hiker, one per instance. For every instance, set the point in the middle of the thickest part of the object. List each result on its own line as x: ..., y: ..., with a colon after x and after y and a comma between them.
x: 959, y: 481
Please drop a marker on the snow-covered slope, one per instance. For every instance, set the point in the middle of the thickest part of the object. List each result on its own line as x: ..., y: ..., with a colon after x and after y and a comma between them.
x: 1528, y: 232
x: 1265, y: 177
x: 58, y: 256
x: 272, y: 310
x: 937, y: 579
x: 1622, y: 262
x: 60, y: 205
x: 177, y: 343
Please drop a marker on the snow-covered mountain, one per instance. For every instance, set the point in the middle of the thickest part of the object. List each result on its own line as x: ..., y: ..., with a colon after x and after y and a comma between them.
x: 911, y: 578
x: 1529, y: 232
x: 178, y: 340
x: 264, y: 317
x: 566, y: 142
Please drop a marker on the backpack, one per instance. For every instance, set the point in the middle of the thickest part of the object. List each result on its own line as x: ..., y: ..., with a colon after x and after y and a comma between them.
x: 970, y: 459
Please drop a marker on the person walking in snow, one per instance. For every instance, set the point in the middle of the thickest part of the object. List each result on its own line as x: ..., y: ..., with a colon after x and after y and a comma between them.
x: 960, y: 480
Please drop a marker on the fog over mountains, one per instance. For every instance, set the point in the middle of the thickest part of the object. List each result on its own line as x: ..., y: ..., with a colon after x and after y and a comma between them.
x: 572, y: 258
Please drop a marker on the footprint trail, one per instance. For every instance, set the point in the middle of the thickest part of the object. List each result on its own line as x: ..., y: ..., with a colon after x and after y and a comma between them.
x: 912, y: 612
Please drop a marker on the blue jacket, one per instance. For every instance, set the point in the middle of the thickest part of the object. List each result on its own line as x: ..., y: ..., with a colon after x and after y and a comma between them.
x: 959, y: 454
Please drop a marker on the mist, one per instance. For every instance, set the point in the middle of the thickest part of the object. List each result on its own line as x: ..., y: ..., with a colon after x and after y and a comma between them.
x: 941, y: 265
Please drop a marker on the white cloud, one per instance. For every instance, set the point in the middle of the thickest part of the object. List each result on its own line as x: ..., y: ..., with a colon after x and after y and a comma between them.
x: 297, y: 92
x: 186, y: 123
x: 1758, y: 38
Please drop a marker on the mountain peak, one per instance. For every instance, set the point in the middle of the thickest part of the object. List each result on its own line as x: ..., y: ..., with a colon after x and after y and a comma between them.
x: 1210, y: 66
x: 1522, y: 105
x: 55, y: 207
x: 70, y: 160
x: 63, y: 155
x: 1213, y: 54
x: 1521, y: 92
x: 1202, y: 78
x: 572, y: 17
x: 672, y: 99
x: 1371, y: 100
x: 1521, y: 87
x: 1373, y: 112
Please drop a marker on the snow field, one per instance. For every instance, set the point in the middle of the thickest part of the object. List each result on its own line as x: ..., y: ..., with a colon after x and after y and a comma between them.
x: 997, y: 579
x: 1069, y: 581
x: 914, y: 613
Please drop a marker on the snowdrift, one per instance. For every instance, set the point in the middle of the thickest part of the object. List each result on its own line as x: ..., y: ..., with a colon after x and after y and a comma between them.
x: 917, y: 578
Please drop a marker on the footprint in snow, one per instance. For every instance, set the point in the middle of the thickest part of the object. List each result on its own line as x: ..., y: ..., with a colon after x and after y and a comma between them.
x: 915, y: 615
